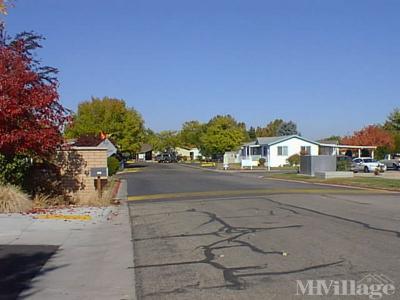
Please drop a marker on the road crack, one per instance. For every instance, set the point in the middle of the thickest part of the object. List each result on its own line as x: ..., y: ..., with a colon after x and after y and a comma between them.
x: 233, y: 276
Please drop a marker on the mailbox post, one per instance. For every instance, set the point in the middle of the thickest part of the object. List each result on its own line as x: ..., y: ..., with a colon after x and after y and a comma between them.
x: 98, y: 173
x: 99, y: 184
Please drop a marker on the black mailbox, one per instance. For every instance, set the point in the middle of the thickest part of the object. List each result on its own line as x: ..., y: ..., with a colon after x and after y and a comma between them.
x: 96, y: 172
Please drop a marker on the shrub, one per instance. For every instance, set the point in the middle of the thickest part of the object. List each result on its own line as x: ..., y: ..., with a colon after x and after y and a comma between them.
x: 45, y: 201
x: 262, y: 161
x: 92, y: 198
x: 343, y: 163
x: 113, y: 165
x: 13, y: 170
x: 294, y: 160
x: 381, y: 151
x: 13, y: 200
x: 44, y: 179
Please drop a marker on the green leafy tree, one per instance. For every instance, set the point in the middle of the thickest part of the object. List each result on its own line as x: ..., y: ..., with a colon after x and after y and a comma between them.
x: 331, y: 139
x: 381, y: 151
x: 392, y: 124
x: 191, y: 133
x: 151, y: 138
x: 168, y: 139
x: 111, y: 116
x: 393, y: 121
x: 164, y: 140
x: 396, y: 142
x: 271, y: 129
x: 222, y: 134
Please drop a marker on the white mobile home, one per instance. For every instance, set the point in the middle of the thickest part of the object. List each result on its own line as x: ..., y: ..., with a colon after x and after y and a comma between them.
x: 276, y: 150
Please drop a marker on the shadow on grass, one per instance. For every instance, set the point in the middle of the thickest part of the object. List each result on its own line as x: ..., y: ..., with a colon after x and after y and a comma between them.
x: 19, y: 264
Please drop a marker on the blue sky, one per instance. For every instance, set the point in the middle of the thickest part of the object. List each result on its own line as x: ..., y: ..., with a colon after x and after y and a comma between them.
x: 330, y: 66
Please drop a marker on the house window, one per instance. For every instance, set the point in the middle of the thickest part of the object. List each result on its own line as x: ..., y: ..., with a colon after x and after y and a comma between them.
x: 305, y: 150
x: 282, y: 150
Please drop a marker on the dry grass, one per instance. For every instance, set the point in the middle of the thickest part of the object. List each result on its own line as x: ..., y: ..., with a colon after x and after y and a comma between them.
x: 13, y: 200
x: 45, y: 201
x: 94, y: 200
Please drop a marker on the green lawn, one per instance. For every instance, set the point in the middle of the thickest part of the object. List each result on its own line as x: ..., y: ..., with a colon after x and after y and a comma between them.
x: 368, y: 182
x: 284, y: 168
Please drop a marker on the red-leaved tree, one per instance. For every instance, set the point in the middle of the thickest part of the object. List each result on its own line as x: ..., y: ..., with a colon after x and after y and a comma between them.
x: 371, y: 135
x: 31, y: 116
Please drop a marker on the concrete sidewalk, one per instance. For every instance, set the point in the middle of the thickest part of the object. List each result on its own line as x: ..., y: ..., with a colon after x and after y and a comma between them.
x: 94, y: 259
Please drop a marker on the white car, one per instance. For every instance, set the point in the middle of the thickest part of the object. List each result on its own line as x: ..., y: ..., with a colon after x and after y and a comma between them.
x: 367, y: 164
x: 392, y: 161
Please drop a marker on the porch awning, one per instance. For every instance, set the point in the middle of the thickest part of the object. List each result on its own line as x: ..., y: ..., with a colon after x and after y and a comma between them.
x: 348, y: 146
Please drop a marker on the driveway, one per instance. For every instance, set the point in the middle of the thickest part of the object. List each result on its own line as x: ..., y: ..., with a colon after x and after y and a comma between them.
x: 206, y: 235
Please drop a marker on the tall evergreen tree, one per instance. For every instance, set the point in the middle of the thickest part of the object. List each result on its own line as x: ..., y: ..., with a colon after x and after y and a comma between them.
x: 287, y: 128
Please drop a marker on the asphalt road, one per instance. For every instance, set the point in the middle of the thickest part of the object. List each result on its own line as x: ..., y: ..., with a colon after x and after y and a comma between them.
x: 204, y: 235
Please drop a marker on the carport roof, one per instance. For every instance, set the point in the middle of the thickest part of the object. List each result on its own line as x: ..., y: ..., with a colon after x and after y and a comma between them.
x: 348, y: 146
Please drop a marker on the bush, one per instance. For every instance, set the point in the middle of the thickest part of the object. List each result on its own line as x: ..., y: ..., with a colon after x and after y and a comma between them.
x: 45, y: 201
x: 13, y: 200
x: 92, y: 199
x: 44, y: 179
x: 343, y: 164
x: 113, y: 165
x: 13, y: 170
x: 262, y: 161
x: 381, y: 151
x: 294, y: 160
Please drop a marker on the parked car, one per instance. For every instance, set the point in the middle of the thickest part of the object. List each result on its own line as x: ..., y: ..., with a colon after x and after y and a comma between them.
x: 392, y: 161
x: 367, y: 164
x: 167, y: 157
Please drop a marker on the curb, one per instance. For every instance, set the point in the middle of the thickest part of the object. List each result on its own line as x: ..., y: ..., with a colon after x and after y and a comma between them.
x: 198, y: 168
x: 229, y: 171
x: 116, y: 188
x: 335, y: 185
x: 121, y: 192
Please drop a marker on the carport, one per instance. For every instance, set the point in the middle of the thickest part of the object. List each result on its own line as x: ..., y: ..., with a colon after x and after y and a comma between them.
x: 342, y: 149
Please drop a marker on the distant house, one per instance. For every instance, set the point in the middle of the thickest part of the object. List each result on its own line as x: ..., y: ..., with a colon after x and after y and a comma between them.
x: 95, y: 141
x: 188, y: 153
x: 145, y: 153
x: 276, y: 150
x: 232, y: 157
